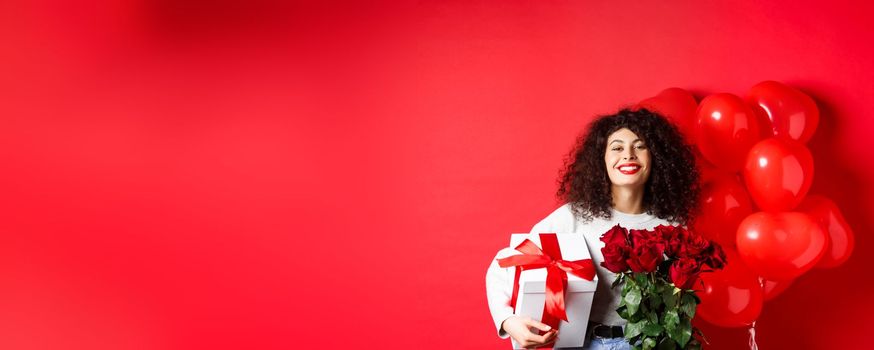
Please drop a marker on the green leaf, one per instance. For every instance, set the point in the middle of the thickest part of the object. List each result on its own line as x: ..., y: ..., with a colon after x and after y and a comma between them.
x: 632, y: 300
x: 671, y: 320
x: 669, y: 298
x: 622, y: 311
x: 654, y: 299
x: 630, y: 280
x: 652, y: 330
x: 652, y: 317
x: 650, y: 286
x: 648, y: 343
x: 641, y: 279
x: 667, y: 287
x: 690, y: 298
x: 688, y: 304
x: 633, y: 329
x: 690, y: 310
x: 683, y: 332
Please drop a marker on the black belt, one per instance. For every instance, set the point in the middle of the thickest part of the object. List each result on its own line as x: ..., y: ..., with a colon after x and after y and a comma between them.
x: 605, y: 331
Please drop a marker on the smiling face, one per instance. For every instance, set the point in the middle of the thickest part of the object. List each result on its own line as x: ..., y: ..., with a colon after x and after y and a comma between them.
x: 627, y: 159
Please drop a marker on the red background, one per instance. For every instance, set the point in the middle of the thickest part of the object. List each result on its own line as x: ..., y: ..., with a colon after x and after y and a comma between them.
x: 257, y: 174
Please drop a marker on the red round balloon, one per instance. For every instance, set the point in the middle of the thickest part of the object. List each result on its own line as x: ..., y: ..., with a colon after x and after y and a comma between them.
x: 731, y: 297
x: 793, y: 114
x: 726, y: 130
x: 774, y: 288
x: 780, y: 246
x: 778, y: 174
x: 679, y: 106
x: 840, y: 240
x: 724, y: 204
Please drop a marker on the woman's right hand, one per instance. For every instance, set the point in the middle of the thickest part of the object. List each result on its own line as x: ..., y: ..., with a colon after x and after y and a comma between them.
x: 520, y: 329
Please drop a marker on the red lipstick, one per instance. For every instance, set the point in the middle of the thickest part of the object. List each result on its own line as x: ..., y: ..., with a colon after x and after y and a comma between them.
x: 629, y: 168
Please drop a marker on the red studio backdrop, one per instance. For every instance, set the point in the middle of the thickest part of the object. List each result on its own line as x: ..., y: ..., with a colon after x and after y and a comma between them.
x: 269, y: 174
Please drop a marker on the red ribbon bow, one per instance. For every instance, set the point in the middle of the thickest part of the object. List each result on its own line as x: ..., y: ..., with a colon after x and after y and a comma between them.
x: 556, y: 273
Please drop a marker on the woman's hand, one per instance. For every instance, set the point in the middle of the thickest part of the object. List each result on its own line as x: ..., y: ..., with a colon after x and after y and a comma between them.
x: 520, y: 329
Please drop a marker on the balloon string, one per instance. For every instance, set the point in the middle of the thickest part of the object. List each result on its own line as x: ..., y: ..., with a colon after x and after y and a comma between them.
x: 753, y: 345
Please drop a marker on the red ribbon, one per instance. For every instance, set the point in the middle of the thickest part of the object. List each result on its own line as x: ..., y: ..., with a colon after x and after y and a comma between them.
x: 557, y: 269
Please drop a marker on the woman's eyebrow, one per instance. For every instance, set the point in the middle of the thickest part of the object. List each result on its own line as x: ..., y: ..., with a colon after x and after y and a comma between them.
x: 620, y: 141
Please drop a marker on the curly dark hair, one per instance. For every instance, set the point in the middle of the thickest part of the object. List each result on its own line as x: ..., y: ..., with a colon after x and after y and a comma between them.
x: 670, y: 193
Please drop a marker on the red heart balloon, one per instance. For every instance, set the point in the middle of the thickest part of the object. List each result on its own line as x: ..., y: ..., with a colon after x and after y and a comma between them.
x: 793, y: 114
x: 724, y: 204
x: 679, y: 106
x: 707, y: 172
x: 774, y: 288
x: 780, y: 246
x: 840, y: 240
x: 726, y: 130
x: 731, y: 297
x: 778, y: 174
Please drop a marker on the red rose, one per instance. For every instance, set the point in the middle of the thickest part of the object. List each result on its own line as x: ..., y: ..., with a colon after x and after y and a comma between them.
x: 714, y: 256
x: 639, y: 237
x: 615, y: 236
x: 614, y: 257
x: 694, y: 247
x: 674, y: 238
x: 667, y: 232
x: 684, y: 272
x: 646, y: 257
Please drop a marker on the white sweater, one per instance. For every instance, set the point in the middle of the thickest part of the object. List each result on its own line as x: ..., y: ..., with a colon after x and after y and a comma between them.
x: 499, y: 281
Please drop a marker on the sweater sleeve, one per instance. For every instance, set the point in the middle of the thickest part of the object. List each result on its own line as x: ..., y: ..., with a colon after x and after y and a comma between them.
x: 499, y: 287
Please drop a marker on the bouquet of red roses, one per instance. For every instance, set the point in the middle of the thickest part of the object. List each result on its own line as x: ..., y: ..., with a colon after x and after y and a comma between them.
x: 659, y: 269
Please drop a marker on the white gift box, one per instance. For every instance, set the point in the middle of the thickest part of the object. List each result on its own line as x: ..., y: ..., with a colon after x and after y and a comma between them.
x: 578, y: 295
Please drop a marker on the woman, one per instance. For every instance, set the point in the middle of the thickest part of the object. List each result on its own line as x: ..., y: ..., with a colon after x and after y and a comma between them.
x: 632, y: 169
